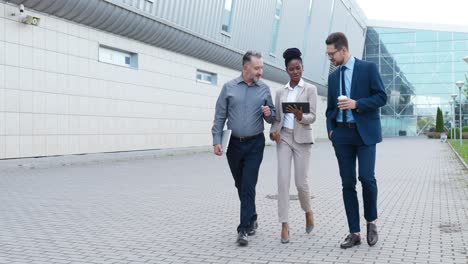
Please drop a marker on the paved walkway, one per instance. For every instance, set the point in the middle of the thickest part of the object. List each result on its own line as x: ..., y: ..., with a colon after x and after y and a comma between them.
x: 184, y: 209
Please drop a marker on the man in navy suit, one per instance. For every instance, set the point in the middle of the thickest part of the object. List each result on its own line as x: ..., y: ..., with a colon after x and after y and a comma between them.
x: 355, y: 94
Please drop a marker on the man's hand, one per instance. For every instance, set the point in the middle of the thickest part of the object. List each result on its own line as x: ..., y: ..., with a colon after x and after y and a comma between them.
x: 347, y: 104
x: 217, y: 149
x: 298, y: 112
x: 266, y: 110
x: 330, y: 134
x: 275, y: 136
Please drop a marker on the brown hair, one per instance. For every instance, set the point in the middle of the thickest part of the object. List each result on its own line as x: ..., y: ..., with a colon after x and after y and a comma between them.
x: 338, y: 39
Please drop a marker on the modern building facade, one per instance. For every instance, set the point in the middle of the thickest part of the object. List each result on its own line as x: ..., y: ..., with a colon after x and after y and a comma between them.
x: 419, y: 65
x: 121, y: 75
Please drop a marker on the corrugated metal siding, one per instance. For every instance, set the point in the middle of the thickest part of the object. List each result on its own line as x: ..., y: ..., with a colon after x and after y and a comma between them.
x: 292, y: 27
x: 316, y: 61
x: 144, y: 5
x: 194, y: 27
x: 251, y: 26
x: 203, y: 16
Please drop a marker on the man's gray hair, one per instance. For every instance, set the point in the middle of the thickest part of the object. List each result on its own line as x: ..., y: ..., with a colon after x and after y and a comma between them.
x: 249, y: 54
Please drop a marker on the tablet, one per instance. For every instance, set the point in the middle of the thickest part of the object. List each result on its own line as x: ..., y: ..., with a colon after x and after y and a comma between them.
x: 305, y: 106
x: 225, y: 139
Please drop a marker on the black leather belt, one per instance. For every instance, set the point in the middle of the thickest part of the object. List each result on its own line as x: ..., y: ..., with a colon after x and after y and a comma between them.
x: 348, y: 125
x: 243, y: 139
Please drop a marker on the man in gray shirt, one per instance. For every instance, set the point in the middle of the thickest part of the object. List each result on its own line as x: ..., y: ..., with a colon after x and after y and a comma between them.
x: 245, y: 102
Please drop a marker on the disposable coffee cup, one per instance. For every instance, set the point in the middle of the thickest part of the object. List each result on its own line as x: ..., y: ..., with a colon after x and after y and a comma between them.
x: 342, y: 97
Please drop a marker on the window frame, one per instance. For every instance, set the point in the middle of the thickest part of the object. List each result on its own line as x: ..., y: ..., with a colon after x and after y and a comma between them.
x: 132, y: 57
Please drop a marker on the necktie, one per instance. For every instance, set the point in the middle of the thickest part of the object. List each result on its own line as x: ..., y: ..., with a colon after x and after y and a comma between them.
x: 343, y: 89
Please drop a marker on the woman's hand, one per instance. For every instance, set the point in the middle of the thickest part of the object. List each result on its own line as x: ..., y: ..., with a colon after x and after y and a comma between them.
x: 275, y: 136
x: 296, y: 111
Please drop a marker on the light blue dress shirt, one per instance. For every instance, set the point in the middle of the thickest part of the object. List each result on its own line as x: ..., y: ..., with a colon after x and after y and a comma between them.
x: 348, y: 75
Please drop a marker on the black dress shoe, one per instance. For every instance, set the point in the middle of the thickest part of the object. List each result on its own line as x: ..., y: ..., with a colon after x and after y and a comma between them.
x: 254, y: 228
x: 351, y: 240
x: 372, y: 235
x: 242, y: 238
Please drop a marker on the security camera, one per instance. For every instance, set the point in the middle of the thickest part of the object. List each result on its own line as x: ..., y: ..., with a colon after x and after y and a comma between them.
x: 31, y: 20
x: 21, y: 9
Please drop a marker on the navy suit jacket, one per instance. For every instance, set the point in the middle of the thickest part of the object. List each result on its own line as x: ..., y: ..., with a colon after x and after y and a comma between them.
x: 368, y: 90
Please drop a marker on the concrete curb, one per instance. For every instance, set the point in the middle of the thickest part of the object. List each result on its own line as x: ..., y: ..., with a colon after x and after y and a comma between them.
x: 458, y: 155
x: 102, y: 157
x: 96, y: 158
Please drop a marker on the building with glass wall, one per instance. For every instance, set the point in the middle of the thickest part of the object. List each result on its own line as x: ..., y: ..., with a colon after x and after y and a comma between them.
x: 122, y: 75
x: 419, y: 66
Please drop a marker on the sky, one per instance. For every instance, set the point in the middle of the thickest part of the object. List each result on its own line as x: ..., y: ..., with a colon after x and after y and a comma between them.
x: 446, y: 12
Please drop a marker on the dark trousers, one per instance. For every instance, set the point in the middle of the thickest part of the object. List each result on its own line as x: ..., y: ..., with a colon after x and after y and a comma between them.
x: 349, y: 146
x: 244, y: 160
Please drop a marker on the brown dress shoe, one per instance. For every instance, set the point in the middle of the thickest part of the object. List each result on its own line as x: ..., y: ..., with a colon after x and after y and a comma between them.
x: 285, y: 234
x: 351, y: 240
x: 372, y: 235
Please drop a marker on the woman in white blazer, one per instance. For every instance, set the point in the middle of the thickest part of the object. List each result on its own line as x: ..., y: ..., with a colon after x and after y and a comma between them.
x: 293, y: 134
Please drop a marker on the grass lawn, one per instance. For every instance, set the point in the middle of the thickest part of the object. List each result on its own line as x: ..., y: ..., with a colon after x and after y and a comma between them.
x: 462, y: 150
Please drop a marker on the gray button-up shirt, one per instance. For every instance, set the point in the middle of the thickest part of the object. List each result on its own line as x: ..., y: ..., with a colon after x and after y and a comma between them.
x: 241, y: 105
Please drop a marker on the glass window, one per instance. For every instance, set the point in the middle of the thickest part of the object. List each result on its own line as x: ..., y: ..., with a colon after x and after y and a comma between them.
x: 404, y: 59
x: 424, y: 35
x: 423, y: 58
x: 396, y: 48
x: 398, y: 37
x: 374, y: 59
x: 391, y: 30
x: 227, y: 15
x: 444, y: 36
x: 207, y: 77
x: 460, y: 45
x: 372, y: 49
x: 459, y: 55
x: 426, y: 66
x: 118, y: 57
x: 444, y: 45
x: 460, y: 65
x: 146, y: 5
x: 444, y: 56
x: 426, y: 46
x: 372, y: 37
x: 460, y: 36
x: 276, y: 22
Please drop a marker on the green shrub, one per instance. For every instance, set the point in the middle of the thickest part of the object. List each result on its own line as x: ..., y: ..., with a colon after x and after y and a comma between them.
x: 457, y: 133
x: 435, y: 135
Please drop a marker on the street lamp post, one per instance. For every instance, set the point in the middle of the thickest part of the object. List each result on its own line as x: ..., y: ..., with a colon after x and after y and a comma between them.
x: 452, y: 104
x: 460, y: 85
x: 453, y: 116
x: 451, y: 121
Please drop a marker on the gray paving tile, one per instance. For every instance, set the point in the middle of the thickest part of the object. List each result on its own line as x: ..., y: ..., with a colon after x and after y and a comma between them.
x: 184, y: 209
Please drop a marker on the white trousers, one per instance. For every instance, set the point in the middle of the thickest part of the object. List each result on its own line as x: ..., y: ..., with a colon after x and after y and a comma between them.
x: 288, y: 150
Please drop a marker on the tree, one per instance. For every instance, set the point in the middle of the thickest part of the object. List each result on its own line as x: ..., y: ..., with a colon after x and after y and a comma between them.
x: 439, y: 121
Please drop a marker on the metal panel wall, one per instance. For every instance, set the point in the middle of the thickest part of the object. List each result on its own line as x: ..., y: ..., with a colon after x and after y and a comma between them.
x: 252, y: 22
x: 291, y: 30
x: 316, y: 63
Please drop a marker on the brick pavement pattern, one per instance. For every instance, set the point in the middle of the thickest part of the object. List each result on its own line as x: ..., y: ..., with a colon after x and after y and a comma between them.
x: 184, y: 209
